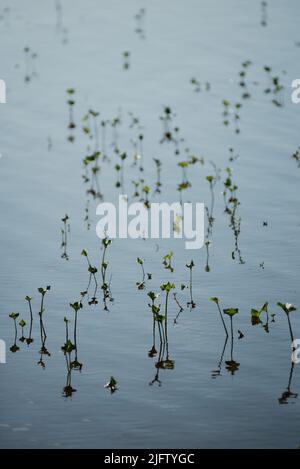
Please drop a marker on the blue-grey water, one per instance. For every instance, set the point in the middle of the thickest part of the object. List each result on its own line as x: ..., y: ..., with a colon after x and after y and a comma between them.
x: 41, y: 181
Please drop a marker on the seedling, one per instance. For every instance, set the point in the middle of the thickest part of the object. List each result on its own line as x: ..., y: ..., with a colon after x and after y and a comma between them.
x: 242, y: 79
x: 75, y: 364
x: 288, y: 308
x: 112, y: 385
x: 274, y: 88
x: 126, y: 60
x: 167, y: 261
x: 197, y: 85
x: 190, y: 266
x: 22, y: 324
x: 106, y: 286
x: 232, y: 365
x: 64, y: 236
x: 264, y: 13
x: 14, y: 348
x: 296, y: 156
x: 156, y: 319
x: 216, y: 301
x: 256, y: 317
x: 231, y: 114
x: 67, y: 349
x: 167, y: 287
x: 71, y: 104
x: 145, y: 199
x: 158, y: 183
x: 43, y: 335
x: 92, y: 273
x: 140, y: 23
x: 141, y: 284
x: 29, y: 340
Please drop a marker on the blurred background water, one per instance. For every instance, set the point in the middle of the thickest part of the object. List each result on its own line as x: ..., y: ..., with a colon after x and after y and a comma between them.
x: 40, y: 181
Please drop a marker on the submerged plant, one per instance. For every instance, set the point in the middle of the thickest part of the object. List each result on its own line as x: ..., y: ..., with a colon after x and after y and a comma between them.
x: 274, y: 88
x: 14, y: 348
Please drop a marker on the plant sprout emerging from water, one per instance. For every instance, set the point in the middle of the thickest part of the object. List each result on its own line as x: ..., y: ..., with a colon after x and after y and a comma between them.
x: 71, y: 104
x: 92, y: 271
x: 216, y: 301
x: 22, y: 324
x: 197, y: 85
x: 264, y: 13
x: 158, y: 183
x: 242, y: 79
x: 167, y: 261
x: 190, y: 266
x: 29, y: 340
x: 167, y: 287
x: 126, y: 60
x: 274, y: 88
x: 112, y: 385
x: 288, y: 308
x: 76, y: 306
x: 120, y: 172
x: 43, y: 350
x: 296, y: 156
x: 107, y: 296
x: 157, y: 319
x: 256, y: 314
x: 231, y: 114
x: 141, y: 284
x: 67, y: 349
x: 232, y: 365
x: 140, y: 20
x: 145, y: 199
x: 64, y: 236
x: 14, y: 348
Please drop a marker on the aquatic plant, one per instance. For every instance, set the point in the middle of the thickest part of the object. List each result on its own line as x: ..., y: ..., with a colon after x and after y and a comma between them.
x: 126, y: 60
x: 287, y: 309
x: 140, y: 23
x: 22, y: 324
x: 256, y: 316
x: 105, y: 286
x: 29, y: 339
x: 274, y: 88
x: 158, y: 184
x: 75, y: 364
x: 141, y: 284
x: 64, y: 236
x: 232, y: 365
x: 190, y: 266
x: 92, y: 274
x: 216, y: 301
x: 264, y: 13
x: 296, y: 156
x: 43, y: 335
x: 14, y: 348
x: 167, y: 261
x: 112, y: 385
x: 71, y: 104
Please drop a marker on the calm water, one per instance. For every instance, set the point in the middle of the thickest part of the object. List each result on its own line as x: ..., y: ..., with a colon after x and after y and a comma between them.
x: 41, y: 181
